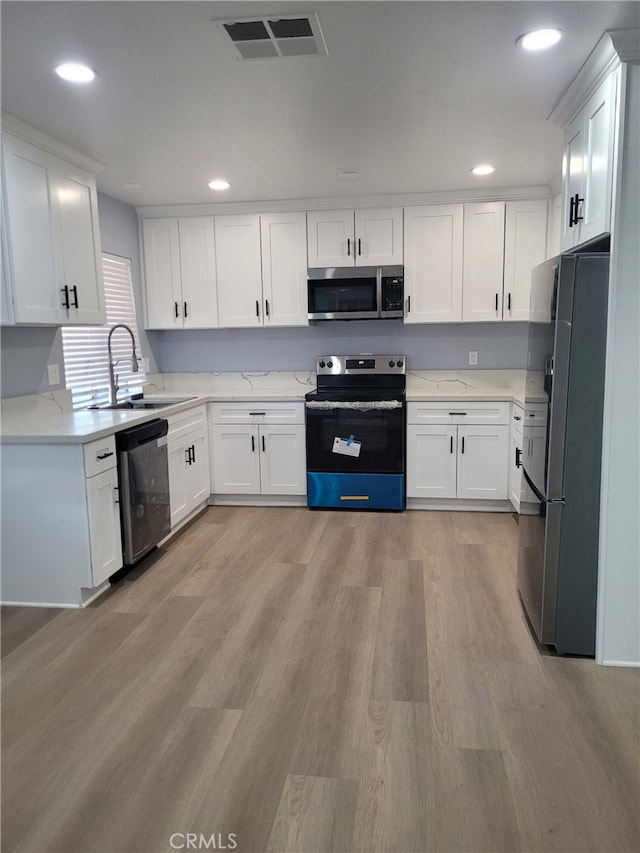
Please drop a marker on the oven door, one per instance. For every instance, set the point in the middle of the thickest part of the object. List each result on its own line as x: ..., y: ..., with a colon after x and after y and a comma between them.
x: 358, y: 437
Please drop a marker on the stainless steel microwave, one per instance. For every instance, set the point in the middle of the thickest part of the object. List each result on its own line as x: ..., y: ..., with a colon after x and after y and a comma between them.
x: 355, y: 293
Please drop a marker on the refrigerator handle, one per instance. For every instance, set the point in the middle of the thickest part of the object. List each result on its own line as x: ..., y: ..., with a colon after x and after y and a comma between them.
x: 536, y: 491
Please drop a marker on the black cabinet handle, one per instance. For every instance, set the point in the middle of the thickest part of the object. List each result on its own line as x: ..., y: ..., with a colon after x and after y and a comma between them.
x: 75, y: 296
x: 253, y: 444
x: 451, y: 445
x: 177, y: 309
x: 496, y: 301
x: 263, y: 445
x: 463, y: 444
x: 348, y: 247
x: 574, y: 203
x: 257, y: 414
x: 116, y: 497
x: 65, y: 302
x: 518, y: 455
x: 359, y: 246
x: 509, y: 302
x: 408, y: 303
x: 517, y: 418
x: 193, y: 453
x: 185, y: 309
x: 188, y: 452
x: 257, y: 308
x: 104, y: 455
x: 266, y: 303
x: 460, y: 414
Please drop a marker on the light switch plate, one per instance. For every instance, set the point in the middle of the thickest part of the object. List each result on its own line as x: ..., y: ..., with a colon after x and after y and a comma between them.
x: 473, y: 356
x: 53, y: 372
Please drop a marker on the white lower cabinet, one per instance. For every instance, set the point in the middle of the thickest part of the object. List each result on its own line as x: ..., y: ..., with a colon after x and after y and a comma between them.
x: 258, y: 450
x: 450, y: 457
x: 188, y: 452
x: 515, y: 457
x: 68, y: 495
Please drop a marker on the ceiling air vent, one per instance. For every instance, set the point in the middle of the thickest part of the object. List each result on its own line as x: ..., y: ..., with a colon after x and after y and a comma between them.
x: 275, y: 37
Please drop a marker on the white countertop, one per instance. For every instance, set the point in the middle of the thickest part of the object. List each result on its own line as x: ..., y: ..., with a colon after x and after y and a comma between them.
x: 47, y: 418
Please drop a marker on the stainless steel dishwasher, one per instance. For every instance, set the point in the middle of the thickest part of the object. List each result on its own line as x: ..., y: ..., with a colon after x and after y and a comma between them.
x: 143, y: 471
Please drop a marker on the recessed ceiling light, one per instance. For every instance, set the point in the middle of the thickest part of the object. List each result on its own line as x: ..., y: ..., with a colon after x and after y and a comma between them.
x: 485, y: 169
x: 75, y: 72
x: 219, y: 185
x: 539, y: 39
x: 348, y: 175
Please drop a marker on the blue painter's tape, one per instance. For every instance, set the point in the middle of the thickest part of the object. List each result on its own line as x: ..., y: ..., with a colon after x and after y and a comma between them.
x: 350, y: 440
x: 355, y: 491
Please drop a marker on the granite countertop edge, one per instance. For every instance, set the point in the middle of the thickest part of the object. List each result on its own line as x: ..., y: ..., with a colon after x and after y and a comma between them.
x: 82, y: 427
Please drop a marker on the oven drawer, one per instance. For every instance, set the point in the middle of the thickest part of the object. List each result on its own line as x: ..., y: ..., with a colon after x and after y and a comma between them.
x: 257, y: 413
x: 456, y: 412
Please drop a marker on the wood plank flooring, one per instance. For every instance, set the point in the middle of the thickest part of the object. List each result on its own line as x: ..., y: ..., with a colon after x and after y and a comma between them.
x: 287, y: 680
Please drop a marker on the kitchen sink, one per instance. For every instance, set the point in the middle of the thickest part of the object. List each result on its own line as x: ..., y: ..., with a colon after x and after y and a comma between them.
x: 141, y: 403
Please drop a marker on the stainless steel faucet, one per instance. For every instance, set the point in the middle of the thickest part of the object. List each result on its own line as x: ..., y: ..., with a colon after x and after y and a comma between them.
x: 113, y: 377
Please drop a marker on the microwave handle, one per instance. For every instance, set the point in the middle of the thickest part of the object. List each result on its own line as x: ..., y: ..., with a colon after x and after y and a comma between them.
x: 379, y: 290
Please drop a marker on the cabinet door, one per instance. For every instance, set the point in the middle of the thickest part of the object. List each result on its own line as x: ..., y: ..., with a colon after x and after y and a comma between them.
x: 198, y: 471
x: 378, y: 236
x: 30, y: 227
x: 78, y: 233
x: 237, y: 459
x: 284, y: 269
x: 330, y: 238
x: 483, y: 462
x: 431, y: 461
x: 239, y: 270
x: 599, y: 118
x: 198, y: 272
x: 433, y: 263
x: 482, y: 276
x: 104, y: 525
x: 177, y: 453
x: 572, y: 179
x: 525, y: 243
x: 282, y: 460
x: 161, y: 248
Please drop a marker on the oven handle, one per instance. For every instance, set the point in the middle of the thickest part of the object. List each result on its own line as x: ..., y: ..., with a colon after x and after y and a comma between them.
x: 358, y: 405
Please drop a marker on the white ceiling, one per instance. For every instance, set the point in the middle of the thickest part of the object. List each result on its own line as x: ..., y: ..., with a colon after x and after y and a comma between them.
x: 412, y: 94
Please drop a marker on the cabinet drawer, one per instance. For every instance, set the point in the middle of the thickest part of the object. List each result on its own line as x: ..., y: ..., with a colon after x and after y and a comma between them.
x: 457, y: 413
x: 535, y: 414
x: 257, y: 413
x: 185, y: 422
x: 100, y: 456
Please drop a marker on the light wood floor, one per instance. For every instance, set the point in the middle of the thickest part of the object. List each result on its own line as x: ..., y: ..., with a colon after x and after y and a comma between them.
x: 314, y: 681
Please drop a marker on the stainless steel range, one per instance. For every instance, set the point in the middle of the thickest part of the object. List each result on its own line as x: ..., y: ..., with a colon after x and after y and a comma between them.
x: 356, y: 434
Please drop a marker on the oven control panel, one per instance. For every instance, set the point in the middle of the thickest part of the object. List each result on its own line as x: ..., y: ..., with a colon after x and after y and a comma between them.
x: 364, y: 364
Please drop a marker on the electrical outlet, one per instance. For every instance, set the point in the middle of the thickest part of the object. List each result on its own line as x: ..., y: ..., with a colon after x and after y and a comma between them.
x: 473, y: 356
x: 53, y: 372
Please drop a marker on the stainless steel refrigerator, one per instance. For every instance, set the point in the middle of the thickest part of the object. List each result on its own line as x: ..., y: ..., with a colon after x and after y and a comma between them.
x: 560, y: 506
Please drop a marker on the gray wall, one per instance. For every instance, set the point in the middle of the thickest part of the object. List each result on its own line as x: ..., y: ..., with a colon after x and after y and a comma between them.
x: 432, y: 347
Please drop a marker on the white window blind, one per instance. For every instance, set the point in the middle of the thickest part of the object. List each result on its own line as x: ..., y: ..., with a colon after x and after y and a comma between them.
x: 86, y: 361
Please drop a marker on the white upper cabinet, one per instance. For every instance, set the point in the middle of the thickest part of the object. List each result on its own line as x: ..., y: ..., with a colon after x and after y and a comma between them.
x: 261, y: 264
x: 483, y: 262
x: 52, y: 266
x: 180, y: 273
x: 525, y: 242
x: 433, y: 263
x: 284, y: 269
x: 198, y: 271
x: 347, y: 238
x: 587, y: 168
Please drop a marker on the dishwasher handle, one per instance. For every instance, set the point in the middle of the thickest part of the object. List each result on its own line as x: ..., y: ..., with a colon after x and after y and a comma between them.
x: 141, y: 434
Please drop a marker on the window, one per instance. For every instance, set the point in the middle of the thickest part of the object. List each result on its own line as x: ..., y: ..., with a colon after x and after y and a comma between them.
x: 86, y: 360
